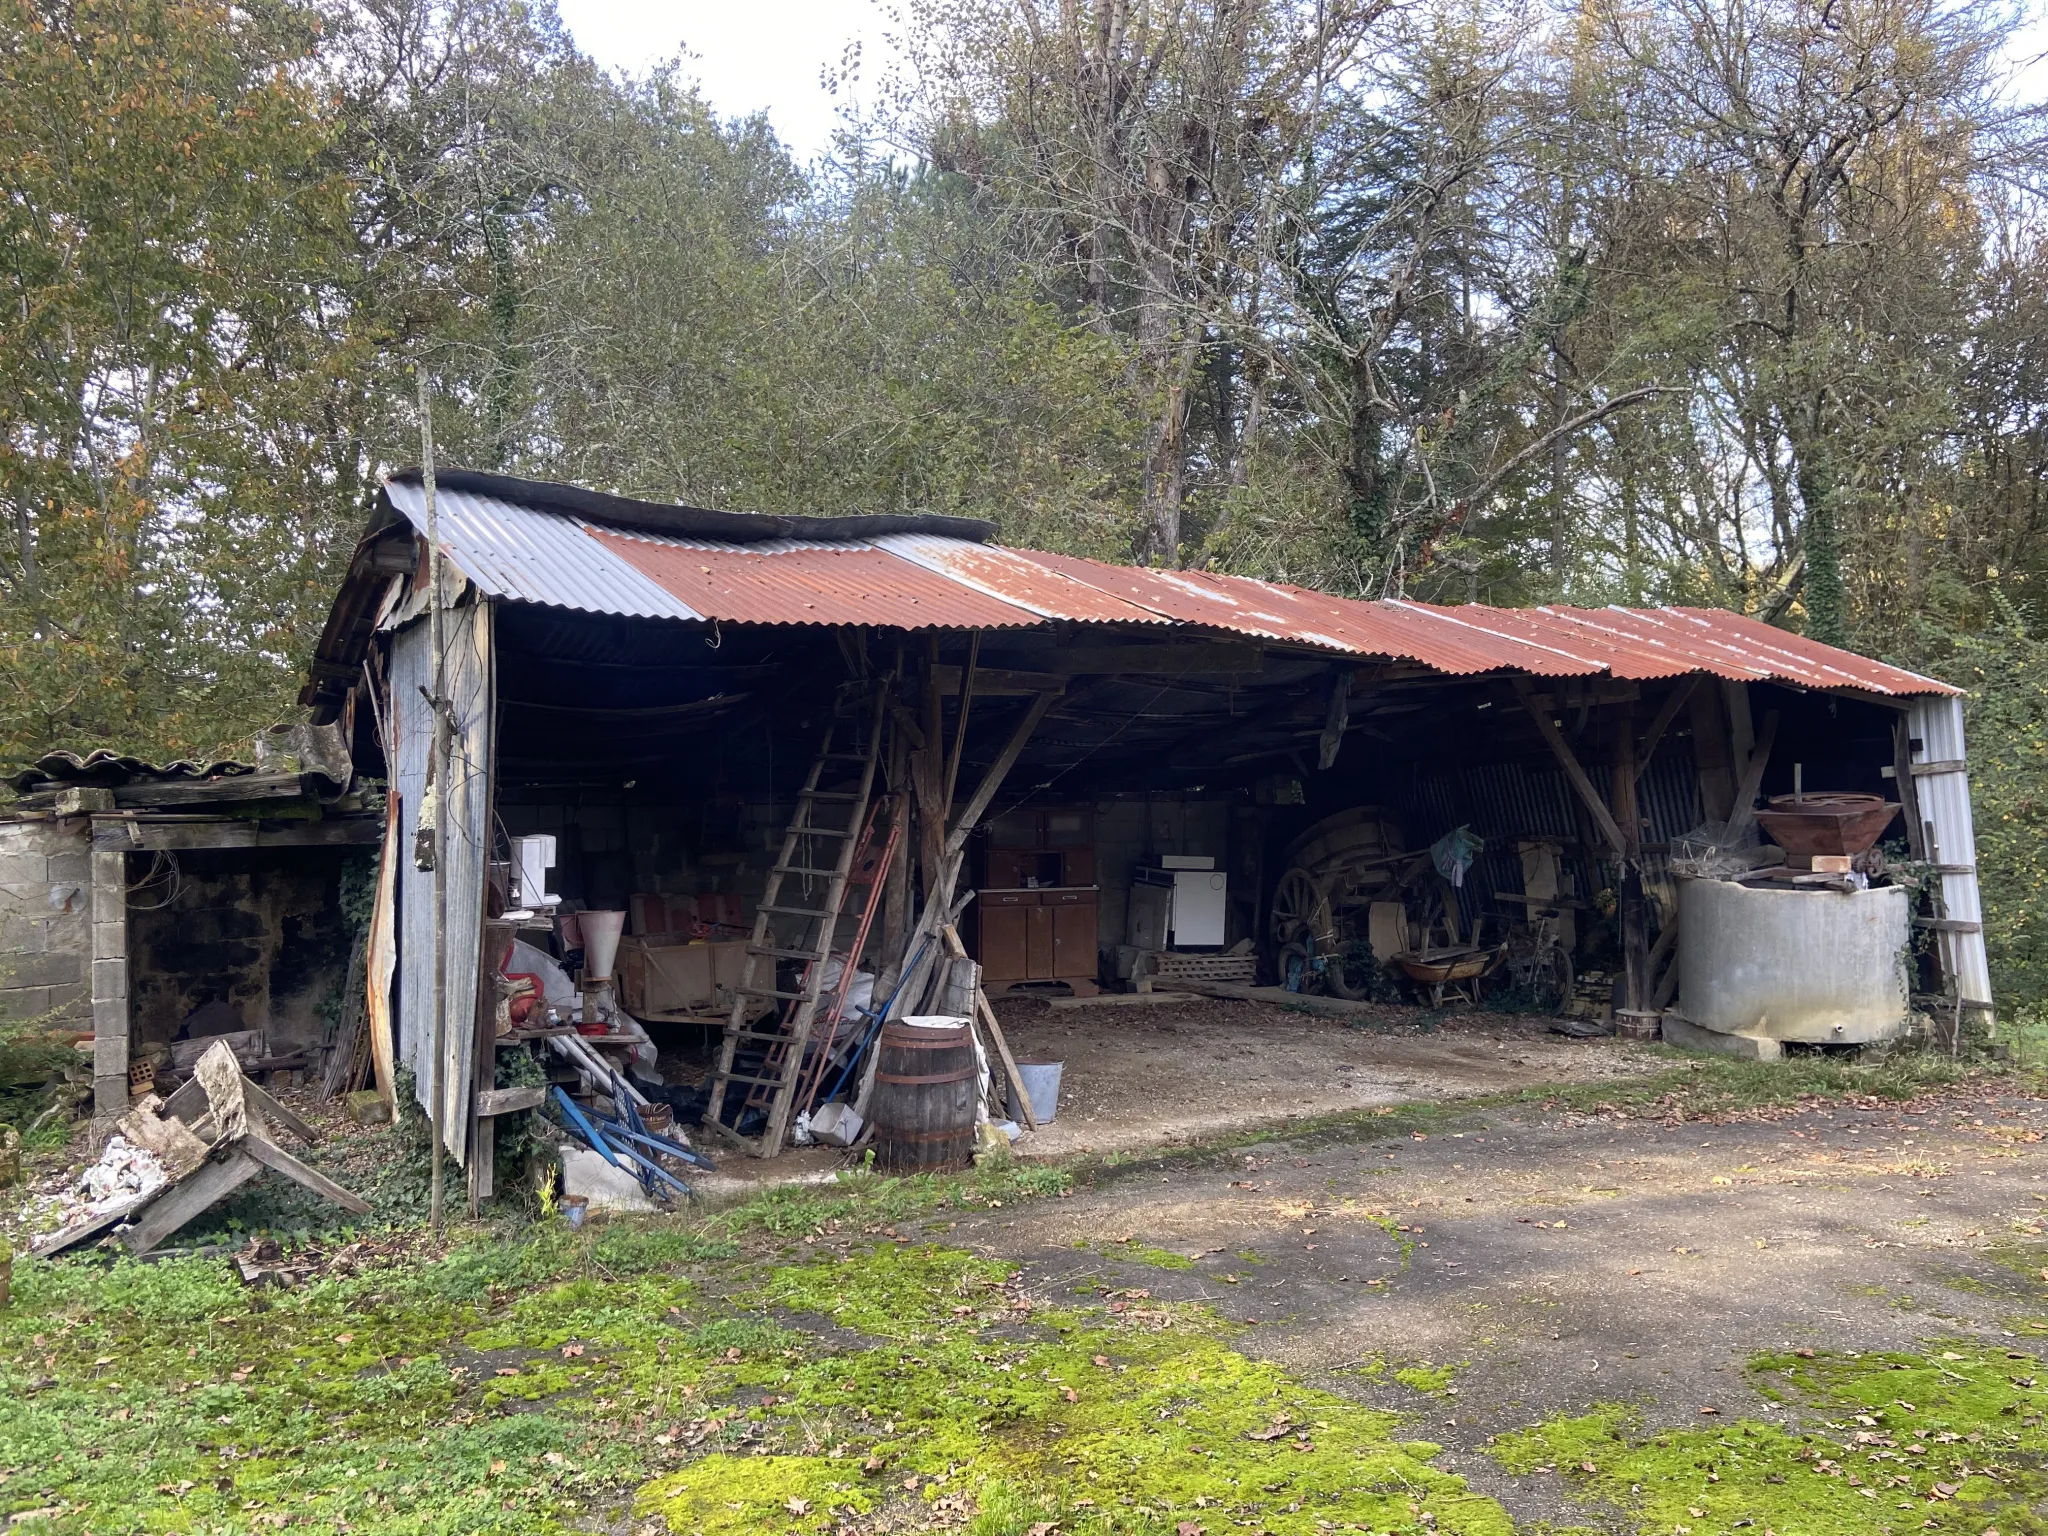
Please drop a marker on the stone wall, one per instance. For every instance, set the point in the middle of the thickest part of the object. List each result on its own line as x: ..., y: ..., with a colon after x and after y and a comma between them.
x: 45, y: 920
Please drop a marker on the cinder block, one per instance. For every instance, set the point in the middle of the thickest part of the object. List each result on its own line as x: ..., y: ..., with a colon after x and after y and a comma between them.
x: 110, y: 941
x: 22, y: 936
x: 110, y: 1016
x: 43, y: 970
x: 24, y: 1002
x: 71, y: 868
x: 110, y: 1096
x: 70, y: 1004
x: 109, y: 977
x: 109, y: 1056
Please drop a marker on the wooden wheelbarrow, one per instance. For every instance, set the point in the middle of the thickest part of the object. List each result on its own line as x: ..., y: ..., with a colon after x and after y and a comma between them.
x: 212, y: 1136
x: 1456, y: 970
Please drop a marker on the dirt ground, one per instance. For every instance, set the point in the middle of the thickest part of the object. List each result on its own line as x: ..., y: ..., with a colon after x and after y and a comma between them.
x: 1166, y: 1074
x: 1561, y: 1260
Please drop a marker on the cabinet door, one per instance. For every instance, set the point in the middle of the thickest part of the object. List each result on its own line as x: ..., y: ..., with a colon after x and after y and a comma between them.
x: 1003, y: 943
x: 1077, y: 866
x: 1073, y: 939
x: 1038, y: 942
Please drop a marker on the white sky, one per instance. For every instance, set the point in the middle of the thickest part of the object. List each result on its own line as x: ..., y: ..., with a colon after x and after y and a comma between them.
x: 747, y: 55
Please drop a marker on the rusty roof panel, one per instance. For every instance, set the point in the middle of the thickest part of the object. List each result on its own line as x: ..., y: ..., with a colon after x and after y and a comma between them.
x: 914, y: 580
x: 786, y: 582
x: 1024, y: 577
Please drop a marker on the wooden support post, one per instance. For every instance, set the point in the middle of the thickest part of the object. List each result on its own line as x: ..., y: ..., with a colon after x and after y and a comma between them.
x: 1909, y: 792
x: 110, y: 1021
x: 1634, y: 914
x: 1744, y: 813
x: 1710, y: 754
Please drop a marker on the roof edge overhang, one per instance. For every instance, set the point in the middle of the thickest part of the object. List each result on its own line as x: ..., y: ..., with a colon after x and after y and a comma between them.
x: 694, y: 522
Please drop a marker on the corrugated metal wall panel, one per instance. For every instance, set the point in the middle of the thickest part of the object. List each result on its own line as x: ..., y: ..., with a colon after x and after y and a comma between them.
x: 470, y: 676
x: 1945, y: 805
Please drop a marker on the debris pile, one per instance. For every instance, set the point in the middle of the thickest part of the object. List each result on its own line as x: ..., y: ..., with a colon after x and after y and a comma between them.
x: 124, y: 1174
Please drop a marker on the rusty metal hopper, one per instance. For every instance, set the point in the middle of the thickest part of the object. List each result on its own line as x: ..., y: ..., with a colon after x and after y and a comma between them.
x: 1826, y: 822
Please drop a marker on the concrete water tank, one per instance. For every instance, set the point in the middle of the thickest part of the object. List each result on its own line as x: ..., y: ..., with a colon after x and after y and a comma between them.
x: 1820, y: 966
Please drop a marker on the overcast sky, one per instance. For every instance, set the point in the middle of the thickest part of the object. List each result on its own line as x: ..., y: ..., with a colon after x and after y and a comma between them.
x: 749, y: 55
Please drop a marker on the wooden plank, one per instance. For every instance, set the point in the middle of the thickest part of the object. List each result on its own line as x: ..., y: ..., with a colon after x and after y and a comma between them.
x: 1568, y: 760
x: 505, y: 1101
x: 181, y: 1202
x: 121, y: 834
x: 276, y: 1158
x: 275, y: 1113
x: 1948, y: 924
x: 996, y: 680
x: 1909, y: 792
x: 247, y: 786
x: 79, y: 1231
x: 1947, y: 765
x: 1180, y: 660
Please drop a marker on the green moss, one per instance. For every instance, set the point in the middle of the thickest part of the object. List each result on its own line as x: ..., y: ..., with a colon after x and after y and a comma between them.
x: 1951, y: 1438
x: 1426, y: 1377
x: 742, y: 1495
x: 1132, y: 1251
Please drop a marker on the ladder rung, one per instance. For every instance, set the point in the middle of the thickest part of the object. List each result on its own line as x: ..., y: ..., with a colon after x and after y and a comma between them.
x: 755, y: 1034
x: 756, y: 1082
x: 828, y: 794
x: 797, y: 911
x: 765, y: 992
x: 787, y: 954
x: 799, y: 869
x: 846, y: 757
x: 825, y: 831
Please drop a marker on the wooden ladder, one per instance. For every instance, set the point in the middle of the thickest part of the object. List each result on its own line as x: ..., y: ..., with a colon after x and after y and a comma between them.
x: 787, y: 930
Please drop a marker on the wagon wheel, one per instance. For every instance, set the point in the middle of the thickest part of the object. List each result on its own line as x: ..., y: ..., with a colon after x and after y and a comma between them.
x: 1300, y: 907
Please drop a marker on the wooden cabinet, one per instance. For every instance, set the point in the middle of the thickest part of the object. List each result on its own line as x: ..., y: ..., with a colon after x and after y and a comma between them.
x: 1042, y: 935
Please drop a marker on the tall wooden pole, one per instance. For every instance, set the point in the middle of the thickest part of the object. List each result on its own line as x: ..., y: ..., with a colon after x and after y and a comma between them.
x: 437, y: 771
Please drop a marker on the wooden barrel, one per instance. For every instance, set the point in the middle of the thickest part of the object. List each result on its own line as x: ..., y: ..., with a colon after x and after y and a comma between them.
x: 923, y: 1104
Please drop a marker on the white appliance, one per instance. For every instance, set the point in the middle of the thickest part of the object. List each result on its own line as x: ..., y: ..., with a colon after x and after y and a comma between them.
x: 532, y: 858
x: 1197, y: 901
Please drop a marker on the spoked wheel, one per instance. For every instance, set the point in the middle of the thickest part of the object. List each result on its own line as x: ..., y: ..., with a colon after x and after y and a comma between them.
x: 1301, y: 907
x: 1550, y: 981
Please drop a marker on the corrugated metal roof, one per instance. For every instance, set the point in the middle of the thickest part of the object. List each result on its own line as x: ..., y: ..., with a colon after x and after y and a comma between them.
x: 787, y: 582
x: 531, y: 556
x: 926, y: 581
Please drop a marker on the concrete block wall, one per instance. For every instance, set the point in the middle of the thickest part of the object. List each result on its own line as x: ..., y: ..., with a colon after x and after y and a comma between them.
x: 45, y: 920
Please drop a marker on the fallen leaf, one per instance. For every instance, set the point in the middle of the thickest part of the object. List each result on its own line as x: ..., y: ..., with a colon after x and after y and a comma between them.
x: 1187, y: 1528
x: 1072, y: 1395
x: 1102, y: 1360
x: 797, y: 1506
x: 1278, y: 1429
x: 571, y: 1351
x: 508, y: 1370
x: 497, y: 1467
x: 1696, y: 1513
x: 344, y: 1338
x: 1710, y: 1410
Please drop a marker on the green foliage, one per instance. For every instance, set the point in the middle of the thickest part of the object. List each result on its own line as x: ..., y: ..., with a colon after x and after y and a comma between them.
x: 2005, y: 669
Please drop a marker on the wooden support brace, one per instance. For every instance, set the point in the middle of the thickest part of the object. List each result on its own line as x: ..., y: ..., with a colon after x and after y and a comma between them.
x: 281, y: 1161
x: 1568, y: 760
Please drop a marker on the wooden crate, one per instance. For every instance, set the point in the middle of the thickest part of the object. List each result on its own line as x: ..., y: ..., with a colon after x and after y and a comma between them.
x: 658, y: 976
